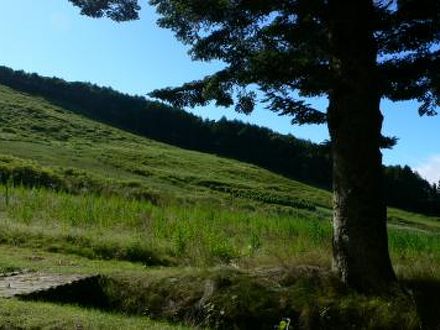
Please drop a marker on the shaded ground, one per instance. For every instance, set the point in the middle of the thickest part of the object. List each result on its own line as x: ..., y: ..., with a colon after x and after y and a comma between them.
x: 427, y: 299
x: 223, y: 297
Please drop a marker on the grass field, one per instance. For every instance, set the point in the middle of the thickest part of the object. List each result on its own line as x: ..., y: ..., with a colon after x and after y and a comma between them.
x: 80, y: 196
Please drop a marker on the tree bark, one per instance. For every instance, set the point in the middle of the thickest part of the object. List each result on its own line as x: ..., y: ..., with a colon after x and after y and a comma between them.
x: 360, y: 243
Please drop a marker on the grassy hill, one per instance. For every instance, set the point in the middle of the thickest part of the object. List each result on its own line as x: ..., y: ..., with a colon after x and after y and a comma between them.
x: 176, y: 231
x: 33, y: 129
x: 283, y: 154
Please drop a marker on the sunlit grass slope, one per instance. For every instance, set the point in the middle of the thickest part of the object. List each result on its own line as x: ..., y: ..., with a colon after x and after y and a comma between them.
x: 72, y: 147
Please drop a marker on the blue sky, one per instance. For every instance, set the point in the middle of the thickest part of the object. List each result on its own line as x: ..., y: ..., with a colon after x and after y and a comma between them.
x: 50, y: 37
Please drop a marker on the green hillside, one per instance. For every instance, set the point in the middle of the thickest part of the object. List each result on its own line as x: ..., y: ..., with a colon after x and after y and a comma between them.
x: 73, y: 147
x: 287, y: 155
x: 163, y: 224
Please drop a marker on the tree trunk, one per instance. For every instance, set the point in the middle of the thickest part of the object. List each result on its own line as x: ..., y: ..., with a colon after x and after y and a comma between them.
x: 360, y: 242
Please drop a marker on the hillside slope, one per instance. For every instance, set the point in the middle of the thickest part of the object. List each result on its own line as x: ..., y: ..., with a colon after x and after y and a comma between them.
x: 283, y: 154
x: 45, y: 137
x: 299, y: 159
x: 45, y: 145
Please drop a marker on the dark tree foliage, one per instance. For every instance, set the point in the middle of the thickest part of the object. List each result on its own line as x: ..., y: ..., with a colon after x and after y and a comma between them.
x: 284, y: 154
x: 353, y: 52
x: 117, y: 10
x: 405, y: 188
x: 282, y: 46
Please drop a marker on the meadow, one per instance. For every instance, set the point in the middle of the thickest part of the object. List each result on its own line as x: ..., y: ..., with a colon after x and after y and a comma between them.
x: 174, y: 230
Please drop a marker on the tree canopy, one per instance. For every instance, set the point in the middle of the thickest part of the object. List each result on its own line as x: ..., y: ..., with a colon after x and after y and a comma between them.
x: 117, y: 10
x: 282, y: 46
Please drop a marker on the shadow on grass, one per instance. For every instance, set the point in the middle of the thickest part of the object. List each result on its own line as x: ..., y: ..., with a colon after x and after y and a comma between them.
x: 427, y: 300
x: 226, y: 298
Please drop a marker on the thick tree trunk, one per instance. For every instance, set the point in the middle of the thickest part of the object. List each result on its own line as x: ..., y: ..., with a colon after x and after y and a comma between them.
x: 360, y: 242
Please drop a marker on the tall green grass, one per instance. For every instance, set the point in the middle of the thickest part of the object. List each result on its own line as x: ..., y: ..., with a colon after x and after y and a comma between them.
x: 113, y: 226
x: 195, y: 234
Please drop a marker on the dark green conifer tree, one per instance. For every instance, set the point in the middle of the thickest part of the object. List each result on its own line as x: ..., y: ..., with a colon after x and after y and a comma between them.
x: 353, y: 52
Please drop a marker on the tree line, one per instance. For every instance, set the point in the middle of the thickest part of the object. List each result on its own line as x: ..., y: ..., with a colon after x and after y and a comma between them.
x: 284, y: 154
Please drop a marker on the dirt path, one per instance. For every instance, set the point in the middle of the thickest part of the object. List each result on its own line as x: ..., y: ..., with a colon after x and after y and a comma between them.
x: 22, y: 284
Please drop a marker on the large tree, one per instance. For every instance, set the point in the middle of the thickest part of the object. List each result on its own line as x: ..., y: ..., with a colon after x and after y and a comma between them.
x: 353, y: 52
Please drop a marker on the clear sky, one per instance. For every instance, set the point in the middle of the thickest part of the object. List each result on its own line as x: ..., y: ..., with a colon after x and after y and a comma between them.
x: 50, y: 38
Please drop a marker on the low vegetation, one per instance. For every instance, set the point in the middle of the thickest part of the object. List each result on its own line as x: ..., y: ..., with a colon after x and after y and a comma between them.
x: 182, y: 236
x: 34, y: 315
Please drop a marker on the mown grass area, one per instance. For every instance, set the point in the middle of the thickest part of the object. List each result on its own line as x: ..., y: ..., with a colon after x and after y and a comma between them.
x: 163, y: 224
x: 36, y: 315
x: 16, y: 314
